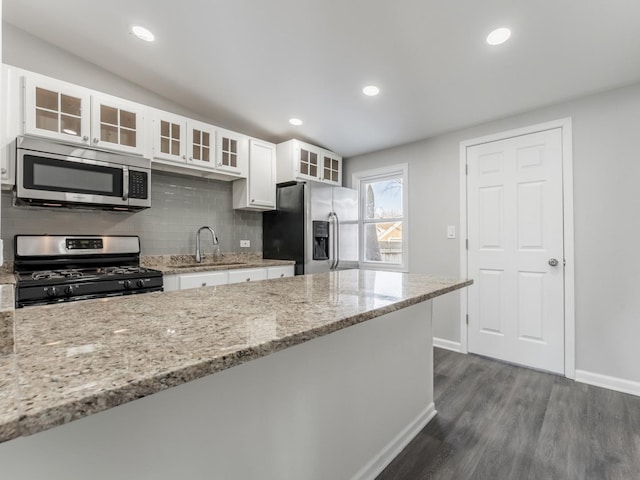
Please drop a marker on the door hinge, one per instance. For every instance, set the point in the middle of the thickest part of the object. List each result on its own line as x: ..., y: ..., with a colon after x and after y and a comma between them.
x: 466, y: 243
x: 467, y: 319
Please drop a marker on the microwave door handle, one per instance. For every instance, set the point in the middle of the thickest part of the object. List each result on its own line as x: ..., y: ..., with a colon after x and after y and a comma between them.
x: 125, y: 182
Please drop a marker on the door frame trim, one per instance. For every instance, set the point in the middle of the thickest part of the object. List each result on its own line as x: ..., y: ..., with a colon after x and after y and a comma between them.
x: 567, y: 196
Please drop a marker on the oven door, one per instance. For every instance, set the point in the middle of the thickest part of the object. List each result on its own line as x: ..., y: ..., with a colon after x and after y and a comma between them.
x: 49, y: 177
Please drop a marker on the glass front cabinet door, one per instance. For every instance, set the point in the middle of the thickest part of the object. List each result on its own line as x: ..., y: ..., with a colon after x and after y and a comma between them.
x: 331, y: 168
x: 117, y: 125
x: 201, y: 144
x: 232, y: 152
x: 56, y: 110
x: 308, y: 162
x: 170, y: 137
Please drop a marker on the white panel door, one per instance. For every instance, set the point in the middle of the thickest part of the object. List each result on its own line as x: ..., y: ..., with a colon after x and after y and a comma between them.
x: 515, y: 231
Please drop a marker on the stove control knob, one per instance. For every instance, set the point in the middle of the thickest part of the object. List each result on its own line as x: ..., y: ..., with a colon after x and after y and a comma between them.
x: 68, y: 290
x: 140, y: 283
x: 51, y: 291
x: 127, y: 284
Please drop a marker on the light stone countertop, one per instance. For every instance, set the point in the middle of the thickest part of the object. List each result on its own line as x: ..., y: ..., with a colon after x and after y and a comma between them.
x: 178, y: 264
x: 74, y: 359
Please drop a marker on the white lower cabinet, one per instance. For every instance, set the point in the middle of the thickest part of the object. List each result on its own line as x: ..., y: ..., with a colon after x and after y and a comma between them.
x: 280, y: 272
x: 247, y: 275
x: 222, y: 277
x: 195, y: 280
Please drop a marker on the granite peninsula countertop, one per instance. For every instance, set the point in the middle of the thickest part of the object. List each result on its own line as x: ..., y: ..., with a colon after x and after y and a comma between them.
x: 74, y: 359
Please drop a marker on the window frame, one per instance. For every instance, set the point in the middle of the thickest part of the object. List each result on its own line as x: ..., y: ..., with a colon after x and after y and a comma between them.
x: 361, y: 178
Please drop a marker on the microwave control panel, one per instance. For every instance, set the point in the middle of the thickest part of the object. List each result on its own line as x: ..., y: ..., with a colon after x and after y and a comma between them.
x: 138, y: 184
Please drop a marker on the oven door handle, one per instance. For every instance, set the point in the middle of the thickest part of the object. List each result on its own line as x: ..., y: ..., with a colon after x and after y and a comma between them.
x: 125, y: 183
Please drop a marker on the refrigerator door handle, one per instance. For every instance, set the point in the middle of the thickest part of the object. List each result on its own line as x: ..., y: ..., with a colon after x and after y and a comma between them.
x: 336, y: 236
x: 332, y: 253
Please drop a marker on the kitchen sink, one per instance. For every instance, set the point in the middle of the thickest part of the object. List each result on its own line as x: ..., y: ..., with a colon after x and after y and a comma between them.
x: 213, y: 264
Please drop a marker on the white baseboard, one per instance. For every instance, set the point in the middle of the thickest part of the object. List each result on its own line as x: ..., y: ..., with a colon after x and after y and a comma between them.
x: 446, y: 344
x: 378, y: 463
x: 605, y: 381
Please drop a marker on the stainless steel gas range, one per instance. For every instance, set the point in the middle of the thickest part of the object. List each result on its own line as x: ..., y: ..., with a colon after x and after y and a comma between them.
x: 61, y: 268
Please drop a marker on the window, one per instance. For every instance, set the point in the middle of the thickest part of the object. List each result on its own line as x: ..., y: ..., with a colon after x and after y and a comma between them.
x: 383, y: 218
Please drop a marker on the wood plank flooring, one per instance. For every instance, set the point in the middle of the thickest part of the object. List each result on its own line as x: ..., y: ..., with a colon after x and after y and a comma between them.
x: 498, y: 421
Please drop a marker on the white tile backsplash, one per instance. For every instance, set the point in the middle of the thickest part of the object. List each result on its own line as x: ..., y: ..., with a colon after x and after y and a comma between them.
x: 179, y: 206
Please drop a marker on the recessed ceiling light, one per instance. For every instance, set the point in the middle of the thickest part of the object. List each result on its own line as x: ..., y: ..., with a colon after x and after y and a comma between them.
x: 142, y: 33
x: 371, y: 90
x: 498, y: 36
x: 295, y: 121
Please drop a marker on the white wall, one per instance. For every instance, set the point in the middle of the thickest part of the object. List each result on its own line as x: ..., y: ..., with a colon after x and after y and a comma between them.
x: 607, y: 223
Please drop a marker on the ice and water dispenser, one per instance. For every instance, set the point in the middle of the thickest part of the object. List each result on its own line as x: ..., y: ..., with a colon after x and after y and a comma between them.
x: 320, y: 240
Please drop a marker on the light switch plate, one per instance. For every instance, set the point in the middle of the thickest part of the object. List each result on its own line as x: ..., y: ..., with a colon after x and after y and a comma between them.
x: 245, y: 243
x: 451, y: 231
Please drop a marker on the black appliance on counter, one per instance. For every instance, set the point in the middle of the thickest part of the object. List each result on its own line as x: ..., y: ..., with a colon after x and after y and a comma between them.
x: 61, y: 268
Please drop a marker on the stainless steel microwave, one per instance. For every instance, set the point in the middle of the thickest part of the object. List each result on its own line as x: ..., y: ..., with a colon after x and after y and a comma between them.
x: 55, y: 174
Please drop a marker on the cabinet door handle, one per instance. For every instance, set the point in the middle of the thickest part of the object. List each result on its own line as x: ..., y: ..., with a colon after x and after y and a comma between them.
x: 85, y: 138
x: 204, y: 284
x: 3, y: 171
x: 95, y: 140
x: 248, y: 279
x: 281, y: 275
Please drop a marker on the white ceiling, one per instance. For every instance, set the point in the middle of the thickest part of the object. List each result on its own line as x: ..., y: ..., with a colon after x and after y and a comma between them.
x: 250, y: 65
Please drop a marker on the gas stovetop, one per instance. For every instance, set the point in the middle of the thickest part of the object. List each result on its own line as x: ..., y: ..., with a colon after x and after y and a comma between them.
x: 83, y: 274
x: 60, y: 268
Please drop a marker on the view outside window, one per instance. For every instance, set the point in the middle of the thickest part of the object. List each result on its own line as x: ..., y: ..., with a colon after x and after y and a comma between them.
x: 382, y: 220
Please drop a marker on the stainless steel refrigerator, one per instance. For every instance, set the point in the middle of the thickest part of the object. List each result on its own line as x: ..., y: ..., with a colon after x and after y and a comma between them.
x: 314, y: 224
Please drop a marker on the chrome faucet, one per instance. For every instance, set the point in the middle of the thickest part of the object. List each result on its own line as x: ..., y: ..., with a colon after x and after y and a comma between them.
x: 215, y: 242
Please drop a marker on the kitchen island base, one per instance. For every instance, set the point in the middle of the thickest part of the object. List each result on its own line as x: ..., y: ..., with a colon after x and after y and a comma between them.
x: 340, y: 406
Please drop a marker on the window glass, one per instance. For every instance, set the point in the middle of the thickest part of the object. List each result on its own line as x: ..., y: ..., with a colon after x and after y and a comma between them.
x: 382, y: 218
x: 383, y: 199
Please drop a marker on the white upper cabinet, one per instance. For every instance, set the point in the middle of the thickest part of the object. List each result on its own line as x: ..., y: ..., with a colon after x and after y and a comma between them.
x: 57, y: 110
x: 201, y: 144
x: 301, y: 161
x: 117, y: 124
x: 73, y: 114
x: 190, y: 147
x: 45, y: 107
x: 258, y: 190
x: 169, y: 137
x: 331, y: 171
x: 232, y: 152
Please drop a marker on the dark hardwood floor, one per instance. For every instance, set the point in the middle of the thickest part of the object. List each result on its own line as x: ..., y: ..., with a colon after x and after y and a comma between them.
x: 498, y: 421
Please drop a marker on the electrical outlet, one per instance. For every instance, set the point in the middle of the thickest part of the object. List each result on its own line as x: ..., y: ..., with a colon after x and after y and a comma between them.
x: 245, y: 243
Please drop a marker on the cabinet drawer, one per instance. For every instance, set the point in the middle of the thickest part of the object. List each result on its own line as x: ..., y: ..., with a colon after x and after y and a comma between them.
x: 196, y: 280
x: 247, y: 275
x: 280, y: 272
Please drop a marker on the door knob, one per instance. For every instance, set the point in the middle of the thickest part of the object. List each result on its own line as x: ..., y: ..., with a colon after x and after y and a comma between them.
x: 553, y: 262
